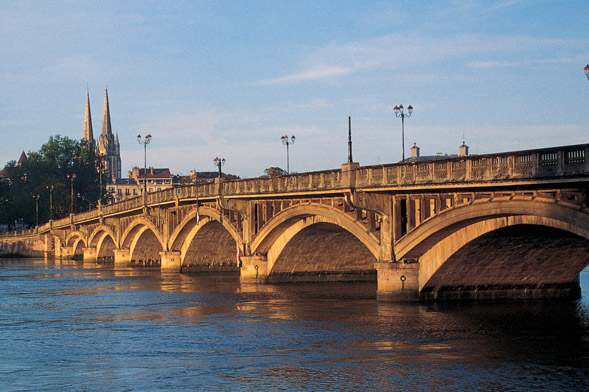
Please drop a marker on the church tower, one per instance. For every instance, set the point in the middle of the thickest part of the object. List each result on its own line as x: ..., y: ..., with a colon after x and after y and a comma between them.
x: 88, y: 134
x: 108, y: 147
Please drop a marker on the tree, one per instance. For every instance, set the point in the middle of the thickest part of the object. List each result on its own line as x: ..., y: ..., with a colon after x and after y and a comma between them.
x: 274, y: 172
x: 51, y: 167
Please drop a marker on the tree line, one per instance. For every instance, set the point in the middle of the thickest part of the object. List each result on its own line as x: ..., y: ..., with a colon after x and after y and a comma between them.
x: 41, y: 187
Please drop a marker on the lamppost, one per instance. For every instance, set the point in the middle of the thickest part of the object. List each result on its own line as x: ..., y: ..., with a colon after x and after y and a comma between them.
x: 219, y: 162
x: 72, y: 178
x: 586, y: 69
x: 145, y: 142
x: 287, y: 143
x: 99, y: 161
x: 36, y: 197
x: 50, y: 187
x: 400, y: 112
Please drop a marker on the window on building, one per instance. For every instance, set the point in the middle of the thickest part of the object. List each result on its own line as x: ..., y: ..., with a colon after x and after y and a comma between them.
x: 127, y: 191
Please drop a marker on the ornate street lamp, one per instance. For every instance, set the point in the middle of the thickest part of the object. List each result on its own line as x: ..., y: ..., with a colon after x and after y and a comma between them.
x: 219, y: 162
x: 586, y: 69
x: 99, y: 160
x: 36, y: 197
x: 400, y: 112
x: 50, y: 187
x: 145, y: 142
x: 72, y: 177
x: 287, y: 143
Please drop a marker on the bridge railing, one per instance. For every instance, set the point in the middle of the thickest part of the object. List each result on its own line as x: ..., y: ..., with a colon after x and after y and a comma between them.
x: 545, y: 163
x: 18, y: 233
x: 531, y: 164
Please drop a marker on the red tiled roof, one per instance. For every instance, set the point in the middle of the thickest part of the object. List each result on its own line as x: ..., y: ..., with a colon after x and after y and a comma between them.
x: 155, y: 173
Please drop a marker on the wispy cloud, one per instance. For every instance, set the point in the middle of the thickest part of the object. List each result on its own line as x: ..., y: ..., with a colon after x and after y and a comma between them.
x: 392, y: 52
x: 525, y: 63
x: 316, y: 73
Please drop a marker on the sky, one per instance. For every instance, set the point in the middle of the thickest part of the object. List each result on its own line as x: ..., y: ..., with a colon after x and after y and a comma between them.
x: 227, y: 79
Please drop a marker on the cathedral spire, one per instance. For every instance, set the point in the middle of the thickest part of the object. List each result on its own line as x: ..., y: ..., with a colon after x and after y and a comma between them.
x: 106, y: 128
x: 88, y: 134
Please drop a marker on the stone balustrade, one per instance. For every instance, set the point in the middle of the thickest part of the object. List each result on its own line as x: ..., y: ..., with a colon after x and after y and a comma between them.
x: 519, y: 165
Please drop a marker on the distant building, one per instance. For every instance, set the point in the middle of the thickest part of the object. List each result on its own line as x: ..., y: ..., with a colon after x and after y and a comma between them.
x: 124, y: 188
x: 416, y: 156
x: 21, y: 160
x: 157, y: 179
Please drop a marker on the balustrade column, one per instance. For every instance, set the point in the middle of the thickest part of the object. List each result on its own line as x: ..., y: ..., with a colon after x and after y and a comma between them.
x: 349, y: 174
x: 511, y: 165
x: 560, y: 166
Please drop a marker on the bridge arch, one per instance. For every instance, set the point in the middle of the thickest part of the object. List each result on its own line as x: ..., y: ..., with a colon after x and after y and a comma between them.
x: 104, y: 240
x: 76, y: 240
x: 187, y: 226
x: 143, y: 240
x: 316, y: 238
x: 75, y: 237
x: 98, y: 233
x: 440, y: 238
x: 211, y: 242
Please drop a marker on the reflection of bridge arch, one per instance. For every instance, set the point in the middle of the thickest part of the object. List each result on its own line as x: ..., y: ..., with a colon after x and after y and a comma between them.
x: 301, y: 220
x: 437, y: 239
x: 142, y: 249
x: 214, y: 224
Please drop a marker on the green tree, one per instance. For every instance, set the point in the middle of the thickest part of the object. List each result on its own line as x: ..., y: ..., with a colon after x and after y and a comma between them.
x: 51, y: 167
x: 274, y: 171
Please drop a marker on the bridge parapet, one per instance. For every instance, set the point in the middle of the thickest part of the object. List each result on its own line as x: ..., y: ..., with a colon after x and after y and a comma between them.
x: 567, y: 161
x: 532, y: 164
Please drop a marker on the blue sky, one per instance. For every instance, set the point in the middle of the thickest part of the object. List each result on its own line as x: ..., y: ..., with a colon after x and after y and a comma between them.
x: 229, y: 78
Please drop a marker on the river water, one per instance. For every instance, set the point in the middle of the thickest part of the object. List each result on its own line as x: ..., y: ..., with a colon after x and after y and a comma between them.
x: 70, y: 326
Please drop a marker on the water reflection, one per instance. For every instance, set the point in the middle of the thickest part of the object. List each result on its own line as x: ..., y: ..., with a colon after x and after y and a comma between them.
x: 92, y: 327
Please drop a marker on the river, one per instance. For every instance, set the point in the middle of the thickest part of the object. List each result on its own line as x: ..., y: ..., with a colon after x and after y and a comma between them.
x: 66, y: 326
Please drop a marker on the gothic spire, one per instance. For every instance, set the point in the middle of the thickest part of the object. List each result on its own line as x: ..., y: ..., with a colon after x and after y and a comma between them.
x: 88, y: 134
x: 106, y: 128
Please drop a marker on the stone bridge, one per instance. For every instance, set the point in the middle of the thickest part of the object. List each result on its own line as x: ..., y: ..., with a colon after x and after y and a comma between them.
x: 505, y: 225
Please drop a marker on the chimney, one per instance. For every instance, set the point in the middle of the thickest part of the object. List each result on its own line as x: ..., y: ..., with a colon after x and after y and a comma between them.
x: 463, y: 150
x: 414, y: 151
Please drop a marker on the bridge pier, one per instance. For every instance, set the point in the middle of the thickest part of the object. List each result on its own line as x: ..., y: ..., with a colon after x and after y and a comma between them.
x: 254, y: 269
x: 122, y: 257
x: 89, y: 254
x: 171, y: 261
x: 397, y: 281
x: 49, y: 247
x: 67, y: 252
